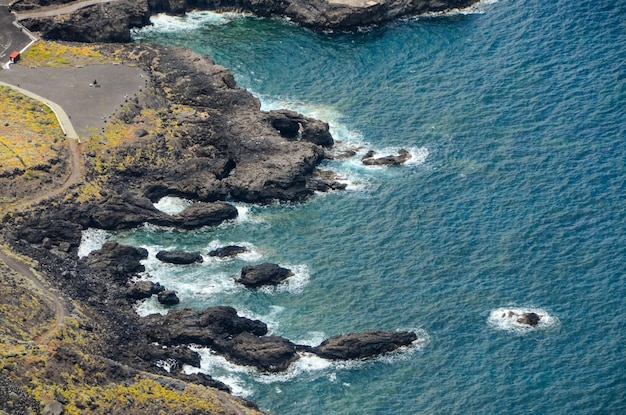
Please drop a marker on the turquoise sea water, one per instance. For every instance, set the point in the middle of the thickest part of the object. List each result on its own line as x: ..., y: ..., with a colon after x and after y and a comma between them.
x: 516, y: 113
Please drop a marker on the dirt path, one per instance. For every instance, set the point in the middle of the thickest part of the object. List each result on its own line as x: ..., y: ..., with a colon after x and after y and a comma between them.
x: 75, y: 176
x: 58, y: 10
x: 76, y: 172
x: 60, y: 307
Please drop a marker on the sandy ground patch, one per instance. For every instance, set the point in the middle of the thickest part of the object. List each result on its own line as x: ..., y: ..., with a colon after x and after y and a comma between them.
x: 87, y: 106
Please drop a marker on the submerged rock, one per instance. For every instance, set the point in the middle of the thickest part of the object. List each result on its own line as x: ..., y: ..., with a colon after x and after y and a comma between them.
x: 179, y: 257
x: 256, y: 276
x: 529, y: 319
x: 228, y: 251
x: 369, y: 159
x: 362, y: 345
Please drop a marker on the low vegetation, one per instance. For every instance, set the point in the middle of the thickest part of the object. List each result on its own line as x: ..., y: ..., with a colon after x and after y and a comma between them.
x: 63, y: 55
x: 33, y: 148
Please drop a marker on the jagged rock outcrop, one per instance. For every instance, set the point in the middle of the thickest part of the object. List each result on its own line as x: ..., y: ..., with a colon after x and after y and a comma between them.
x: 255, y: 276
x: 363, y: 345
x: 53, y: 232
x: 239, y: 339
x: 118, y: 261
x: 105, y: 22
x: 129, y: 211
x: 144, y: 289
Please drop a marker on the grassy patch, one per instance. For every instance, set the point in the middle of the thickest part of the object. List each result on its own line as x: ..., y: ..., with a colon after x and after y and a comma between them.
x: 62, y: 55
x: 30, y: 134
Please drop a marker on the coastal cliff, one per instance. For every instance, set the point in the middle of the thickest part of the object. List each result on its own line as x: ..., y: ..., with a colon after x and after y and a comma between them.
x: 112, y: 21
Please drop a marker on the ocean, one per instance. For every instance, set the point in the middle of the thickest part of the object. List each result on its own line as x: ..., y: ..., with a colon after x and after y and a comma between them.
x: 515, y: 199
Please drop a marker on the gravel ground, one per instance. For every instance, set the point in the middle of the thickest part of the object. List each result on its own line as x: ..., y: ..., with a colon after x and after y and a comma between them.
x: 87, y: 106
x: 14, y: 400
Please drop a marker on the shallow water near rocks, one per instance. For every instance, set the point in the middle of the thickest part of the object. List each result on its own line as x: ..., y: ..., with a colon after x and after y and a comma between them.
x: 516, y: 199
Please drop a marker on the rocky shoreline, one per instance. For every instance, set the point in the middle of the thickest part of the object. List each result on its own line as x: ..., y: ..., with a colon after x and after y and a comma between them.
x: 214, y: 146
x: 112, y: 21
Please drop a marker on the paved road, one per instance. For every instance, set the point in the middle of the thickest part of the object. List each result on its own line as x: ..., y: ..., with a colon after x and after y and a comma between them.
x: 59, y: 9
x: 11, y: 38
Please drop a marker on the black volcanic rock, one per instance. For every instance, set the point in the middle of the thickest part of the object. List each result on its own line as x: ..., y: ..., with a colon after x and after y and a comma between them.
x: 168, y: 297
x: 112, y: 21
x: 362, y: 345
x: 530, y: 319
x: 294, y: 126
x: 370, y: 159
x: 53, y: 231
x: 267, y: 353
x: 119, y: 261
x: 228, y: 251
x: 144, y: 289
x: 202, y: 327
x: 179, y: 257
x: 198, y: 215
x: 255, y: 276
x: 108, y: 22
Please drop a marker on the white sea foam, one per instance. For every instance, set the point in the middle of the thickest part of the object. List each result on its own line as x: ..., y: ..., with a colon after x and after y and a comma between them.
x: 91, y: 240
x: 150, y: 306
x: 272, y: 318
x: 505, y: 318
x: 313, y: 338
x: 242, y: 378
x: 164, y: 23
x: 172, y: 205
x: 253, y: 254
x: 294, y: 284
x: 476, y: 8
x: 215, y: 284
x: 244, y: 214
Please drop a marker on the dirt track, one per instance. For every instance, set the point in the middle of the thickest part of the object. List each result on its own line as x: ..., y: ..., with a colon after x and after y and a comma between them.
x: 60, y: 307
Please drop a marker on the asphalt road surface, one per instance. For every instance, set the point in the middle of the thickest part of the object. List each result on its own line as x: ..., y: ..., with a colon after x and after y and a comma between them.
x: 11, y: 38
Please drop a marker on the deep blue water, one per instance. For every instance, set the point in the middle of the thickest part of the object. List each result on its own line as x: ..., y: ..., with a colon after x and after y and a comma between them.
x: 519, y: 109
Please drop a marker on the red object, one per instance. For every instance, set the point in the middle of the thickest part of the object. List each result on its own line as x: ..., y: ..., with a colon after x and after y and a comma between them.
x: 15, y: 56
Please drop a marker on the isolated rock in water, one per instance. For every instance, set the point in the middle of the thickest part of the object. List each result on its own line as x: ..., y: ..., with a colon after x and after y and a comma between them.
x: 205, y: 214
x: 530, y: 319
x: 228, y: 251
x: 265, y: 274
x: 362, y: 345
x: 168, y: 297
x: 369, y: 159
x: 144, y: 289
x: 179, y: 257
